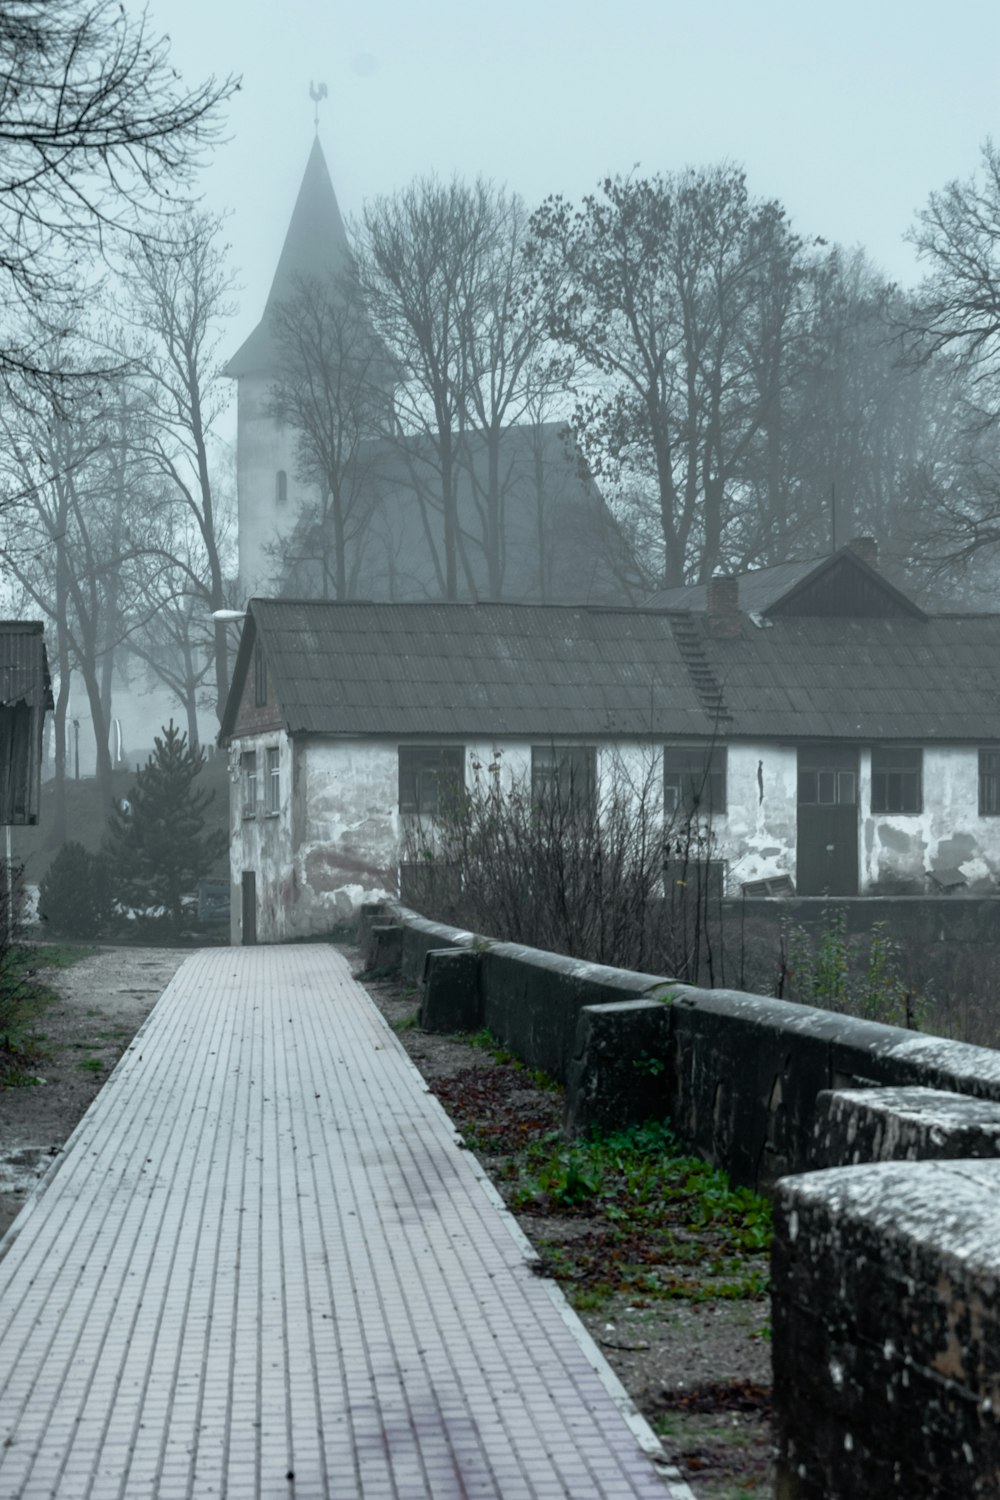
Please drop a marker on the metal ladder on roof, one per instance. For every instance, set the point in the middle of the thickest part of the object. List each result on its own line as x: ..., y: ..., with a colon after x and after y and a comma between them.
x: 703, y: 678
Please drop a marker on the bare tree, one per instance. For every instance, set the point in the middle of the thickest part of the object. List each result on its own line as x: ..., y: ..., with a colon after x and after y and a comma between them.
x: 332, y: 388
x: 654, y: 283
x: 82, y: 544
x: 958, y: 309
x: 175, y: 640
x: 509, y: 373
x: 418, y: 255
x: 954, y: 327
x: 97, y: 133
x: 178, y: 291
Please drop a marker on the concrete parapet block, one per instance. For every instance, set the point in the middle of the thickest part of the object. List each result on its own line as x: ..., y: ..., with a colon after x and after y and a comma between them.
x: 617, y: 1075
x: 886, y: 1331
x: 902, y: 1124
x: 452, y: 998
x: 369, y: 912
x: 384, y: 950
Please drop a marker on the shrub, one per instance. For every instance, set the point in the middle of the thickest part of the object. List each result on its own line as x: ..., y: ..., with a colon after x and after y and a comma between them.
x: 74, y: 897
x: 863, y: 978
x: 593, y: 873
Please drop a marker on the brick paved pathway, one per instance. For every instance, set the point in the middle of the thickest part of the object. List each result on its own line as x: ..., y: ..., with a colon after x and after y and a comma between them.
x: 264, y: 1268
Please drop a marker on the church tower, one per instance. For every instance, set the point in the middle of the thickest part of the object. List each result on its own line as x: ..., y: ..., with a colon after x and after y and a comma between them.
x: 269, y: 496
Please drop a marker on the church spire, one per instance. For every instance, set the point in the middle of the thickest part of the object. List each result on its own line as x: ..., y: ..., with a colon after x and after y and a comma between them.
x: 316, y: 245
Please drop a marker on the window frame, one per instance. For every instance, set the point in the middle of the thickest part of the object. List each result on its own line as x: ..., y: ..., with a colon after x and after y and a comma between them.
x: 272, y: 770
x: 713, y: 761
x: 582, y: 777
x: 909, y: 763
x: 248, y: 782
x: 989, y: 783
x: 417, y: 764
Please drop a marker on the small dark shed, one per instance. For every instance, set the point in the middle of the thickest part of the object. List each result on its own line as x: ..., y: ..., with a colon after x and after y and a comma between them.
x: 25, y: 694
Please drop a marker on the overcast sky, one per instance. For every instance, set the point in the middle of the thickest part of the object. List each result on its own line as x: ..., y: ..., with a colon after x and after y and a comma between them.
x: 850, y: 113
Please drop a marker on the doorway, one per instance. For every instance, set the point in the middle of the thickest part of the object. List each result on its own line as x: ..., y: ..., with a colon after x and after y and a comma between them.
x: 826, y: 851
x: 249, y: 926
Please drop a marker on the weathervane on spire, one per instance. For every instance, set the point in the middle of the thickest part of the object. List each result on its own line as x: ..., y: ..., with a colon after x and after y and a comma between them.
x: 317, y: 91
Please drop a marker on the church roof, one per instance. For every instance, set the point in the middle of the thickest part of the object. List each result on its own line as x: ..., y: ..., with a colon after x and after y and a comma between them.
x: 315, y: 245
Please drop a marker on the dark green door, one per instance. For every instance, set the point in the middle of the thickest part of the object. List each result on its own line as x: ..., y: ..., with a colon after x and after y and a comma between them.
x: 826, y: 853
x: 249, y: 893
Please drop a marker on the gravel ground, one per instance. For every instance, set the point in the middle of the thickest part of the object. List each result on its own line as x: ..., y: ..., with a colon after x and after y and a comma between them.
x: 103, y: 1000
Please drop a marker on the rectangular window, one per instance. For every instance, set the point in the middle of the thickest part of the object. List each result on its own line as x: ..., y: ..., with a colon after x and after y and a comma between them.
x: 259, y: 677
x: 564, y: 776
x: 281, y: 487
x: 248, y: 777
x: 694, y: 780
x: 989, y: 782
x: 827, y: 787
x: 897, y: 780
x: 273, y: 780
x: 430, y: 776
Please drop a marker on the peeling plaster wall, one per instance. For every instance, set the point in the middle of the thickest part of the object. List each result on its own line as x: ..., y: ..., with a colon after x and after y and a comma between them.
x: 950, y: 833
x: 262, y: 842
x: 347, y: 807
x: 336, y: 841
x: 757, y: 835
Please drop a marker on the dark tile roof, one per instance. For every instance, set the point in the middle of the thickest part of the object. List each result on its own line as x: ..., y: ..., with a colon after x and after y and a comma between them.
x: 761, y: 589
x: 757, y: 590
x: 871, y: 679
x: 24, y: 668
x: 541, y: 670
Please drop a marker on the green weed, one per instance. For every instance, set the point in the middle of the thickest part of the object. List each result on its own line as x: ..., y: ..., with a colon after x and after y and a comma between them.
x: 487, y: 1042
x: 670, y: 1225
x: 91, y: 1065
x: 19, y: 1078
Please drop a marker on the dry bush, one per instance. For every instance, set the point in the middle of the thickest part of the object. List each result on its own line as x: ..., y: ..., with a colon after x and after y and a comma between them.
x: 597, y: 874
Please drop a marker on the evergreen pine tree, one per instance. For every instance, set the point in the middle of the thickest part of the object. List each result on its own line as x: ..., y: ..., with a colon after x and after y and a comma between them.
x: 157, y: 850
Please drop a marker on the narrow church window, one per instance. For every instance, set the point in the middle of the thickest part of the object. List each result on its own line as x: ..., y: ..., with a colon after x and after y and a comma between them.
x: 280, y: 487
x: 989, y: 781
x: 897, y: 780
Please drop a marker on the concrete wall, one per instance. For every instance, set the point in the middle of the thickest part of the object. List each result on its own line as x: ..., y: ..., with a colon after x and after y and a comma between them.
x: 739, y: 1076
x: 886, y: 1332
x: 949, y: 833
x: 885, y: 1273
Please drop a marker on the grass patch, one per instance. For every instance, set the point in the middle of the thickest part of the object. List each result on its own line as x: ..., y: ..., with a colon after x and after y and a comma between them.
x: 91, y: 1065
x: 19, y: 1078
x: 24, y: 997
x: 59, y: 955
x: 406, y: 1023
x: 658, y: 1224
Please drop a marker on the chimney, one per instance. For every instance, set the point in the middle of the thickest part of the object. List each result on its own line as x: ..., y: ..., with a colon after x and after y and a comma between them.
x: 866, y: 548
x: 724, y: 606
